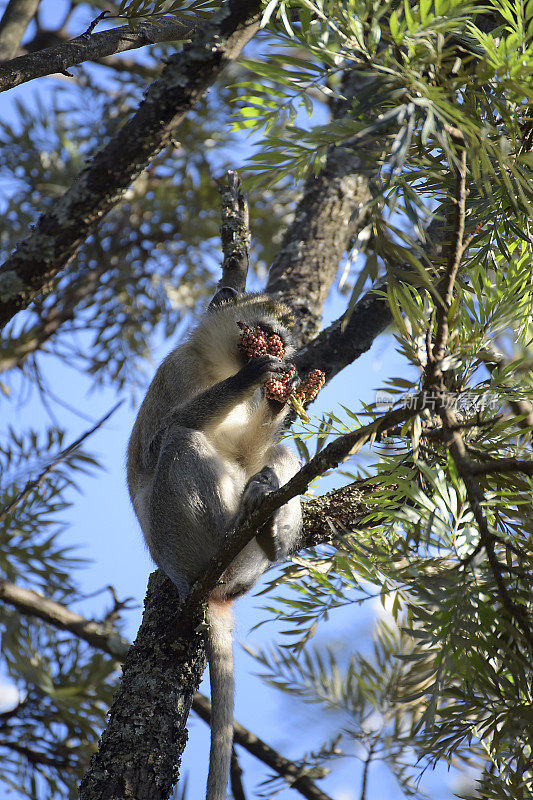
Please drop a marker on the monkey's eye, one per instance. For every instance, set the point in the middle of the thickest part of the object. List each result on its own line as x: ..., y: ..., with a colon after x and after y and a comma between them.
x: 268, y: 330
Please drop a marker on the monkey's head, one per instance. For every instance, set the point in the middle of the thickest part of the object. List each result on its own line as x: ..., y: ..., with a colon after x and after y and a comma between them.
x: 233, y: 311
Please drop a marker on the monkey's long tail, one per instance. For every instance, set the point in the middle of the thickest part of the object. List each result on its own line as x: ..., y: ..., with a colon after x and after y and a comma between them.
x: 220, y: 657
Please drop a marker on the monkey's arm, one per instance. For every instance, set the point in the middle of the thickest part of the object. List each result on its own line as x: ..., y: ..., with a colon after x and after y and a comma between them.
x: 211, y: 404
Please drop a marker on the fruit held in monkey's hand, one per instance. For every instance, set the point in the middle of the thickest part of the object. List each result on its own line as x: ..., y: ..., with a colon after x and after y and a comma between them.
x: 253, y: 341
x: 257, y: 342
x: 279, y: 388
x: 275, y: 346
x: 306, y: 391
x: 282, y: 389
x: 312, y: 385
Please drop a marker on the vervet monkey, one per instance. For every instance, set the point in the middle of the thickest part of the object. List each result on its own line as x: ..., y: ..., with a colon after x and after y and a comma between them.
x: 203, y: 451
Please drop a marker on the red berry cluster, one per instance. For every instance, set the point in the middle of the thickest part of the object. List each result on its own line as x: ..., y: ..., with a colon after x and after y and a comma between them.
x: 308, y: 389
x: 279, y: 388
x: 257, y: 342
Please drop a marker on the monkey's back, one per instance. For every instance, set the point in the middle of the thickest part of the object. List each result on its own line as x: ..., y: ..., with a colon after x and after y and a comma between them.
x: 174, y: 382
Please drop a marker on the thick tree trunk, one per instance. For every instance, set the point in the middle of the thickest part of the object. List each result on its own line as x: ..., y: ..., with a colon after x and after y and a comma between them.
x: 326, y: 220
x: 141, y: 747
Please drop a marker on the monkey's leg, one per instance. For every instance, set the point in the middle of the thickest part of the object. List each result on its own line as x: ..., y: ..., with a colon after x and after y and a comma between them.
x: 194, y: 496
x: 280, y: 535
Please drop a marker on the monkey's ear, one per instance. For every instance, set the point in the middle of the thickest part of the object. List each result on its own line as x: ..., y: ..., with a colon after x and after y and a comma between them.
x: 224, y: 295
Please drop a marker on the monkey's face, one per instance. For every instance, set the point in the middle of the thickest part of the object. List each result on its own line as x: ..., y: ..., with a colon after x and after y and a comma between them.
x: 245, y: 326
x: 265, y: 335
x: 260, y: 340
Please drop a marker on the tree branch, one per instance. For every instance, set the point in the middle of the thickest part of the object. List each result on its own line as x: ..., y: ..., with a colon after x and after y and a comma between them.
x: 501, y: 465
x: 316, y: 240
x: 366, y: 768
x: 236, y: 539
x: 184, y: 80
x: 98, y: 635
x: 235, y: 778
x: 328, y: 216
x: 15, y: 19
x: 234, y: 232
x: 342, y: 342
x: 90, y: 47
x: 454, y: 262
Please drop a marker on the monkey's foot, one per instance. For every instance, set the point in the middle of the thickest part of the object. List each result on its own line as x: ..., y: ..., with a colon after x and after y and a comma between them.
x: 263, y: 482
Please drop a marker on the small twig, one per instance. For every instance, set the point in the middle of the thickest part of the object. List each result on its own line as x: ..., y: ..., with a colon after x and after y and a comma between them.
x: 237, y: 789
x: 454, y: 261
x: 95, y: 22
x: 34, y: 483
x: 234, y: 232
x: 368, y: 761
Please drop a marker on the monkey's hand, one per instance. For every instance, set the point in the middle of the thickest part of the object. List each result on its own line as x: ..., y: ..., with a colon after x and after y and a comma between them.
x: 260, y: 484
x: 260, y: 369
x: 279, y: 387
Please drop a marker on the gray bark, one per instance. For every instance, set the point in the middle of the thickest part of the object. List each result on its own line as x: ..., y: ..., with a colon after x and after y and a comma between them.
x: 139, y: 751
x: 15, y: 20
x: 326, y: 220
x: 88, y: 47
x: 234, y: 232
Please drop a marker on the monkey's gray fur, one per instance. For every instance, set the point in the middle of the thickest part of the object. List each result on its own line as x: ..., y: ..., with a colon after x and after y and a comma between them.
x: 202, y: 453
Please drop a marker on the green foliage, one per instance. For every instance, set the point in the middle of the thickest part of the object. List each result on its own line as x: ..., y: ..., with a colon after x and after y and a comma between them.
x: 450, y: 678
x: 154, y: 10
x: 358, y: 691
x: 422, y: 71
x: 65, y: 691
x: 64, y: 686
x: 32, y: 499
